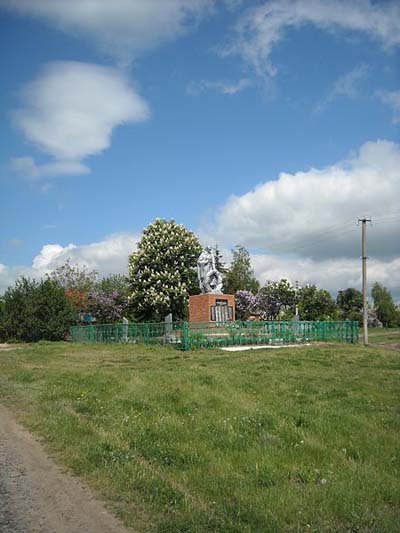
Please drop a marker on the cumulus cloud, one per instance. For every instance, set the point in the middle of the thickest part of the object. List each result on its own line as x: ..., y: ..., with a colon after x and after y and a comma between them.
x: 263, y: 27
x: 224, y: 87
x: 109, y: 256
x: 392, y: 99
x: 69, y: 112
x: 121, y: 28
x: 313, y: 213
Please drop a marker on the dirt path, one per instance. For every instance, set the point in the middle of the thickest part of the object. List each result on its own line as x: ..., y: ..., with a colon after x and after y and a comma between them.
x: 36, y: 496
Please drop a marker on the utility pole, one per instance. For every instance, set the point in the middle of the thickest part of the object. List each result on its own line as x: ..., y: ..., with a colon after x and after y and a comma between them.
x: 364, y: 221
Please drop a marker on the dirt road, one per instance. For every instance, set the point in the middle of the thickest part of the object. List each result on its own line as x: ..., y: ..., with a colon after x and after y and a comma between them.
x: 37, y: 496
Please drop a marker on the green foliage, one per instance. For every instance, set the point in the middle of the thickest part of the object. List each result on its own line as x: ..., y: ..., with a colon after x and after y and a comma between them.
x: 114, y: 283
x: 386, y: 310
x: 316, y: 304
x: 74, y: 277
x: 277, y: 298
x: 162, y: 272
x: 76, y: 282
x: 35, y: 310
x: 3, y: 330
x: 240, y: 276
x: 350, y: 304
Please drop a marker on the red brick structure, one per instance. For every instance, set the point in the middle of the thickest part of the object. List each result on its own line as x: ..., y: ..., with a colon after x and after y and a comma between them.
x: 211, y: 308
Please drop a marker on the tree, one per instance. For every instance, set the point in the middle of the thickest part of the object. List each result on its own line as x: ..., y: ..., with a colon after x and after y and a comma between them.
x: 114, y: 283
x: 3, y: 330
x: 35, y: 310
x: 276, y: 297
x: 162, y: 272
x: 76, y: 281
x: 219, y: 260
x: 350, y: 304
x: 240, y: 276
x: 316, y: 304
x: 384, y: 305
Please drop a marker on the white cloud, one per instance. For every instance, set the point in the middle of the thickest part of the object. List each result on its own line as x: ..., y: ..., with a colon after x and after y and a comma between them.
x: 121, y: 28
x: 332, y: 274
x: 346, y: 85
x: 224, y: 87
x: 8, y: 275
x: 392, y: 99
x: 70, y: 111
x: 313, y: 213
x: 263, y: 27
x: 31, y: 171
x: 109, y: 256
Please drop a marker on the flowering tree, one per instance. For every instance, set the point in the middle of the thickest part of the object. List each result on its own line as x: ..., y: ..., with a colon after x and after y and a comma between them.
x: 107, y: 308
x: 163, y: 271
x: 246, y: 304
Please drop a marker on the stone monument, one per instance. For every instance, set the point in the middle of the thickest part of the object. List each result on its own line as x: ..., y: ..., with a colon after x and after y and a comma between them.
x: 211, y: 305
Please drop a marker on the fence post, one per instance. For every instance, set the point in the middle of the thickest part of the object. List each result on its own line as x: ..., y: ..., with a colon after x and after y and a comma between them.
x: 354, y: 336
x: 185, y: 336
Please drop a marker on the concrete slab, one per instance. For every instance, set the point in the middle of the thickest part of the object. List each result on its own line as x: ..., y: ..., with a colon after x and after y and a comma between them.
x: 261, y: 346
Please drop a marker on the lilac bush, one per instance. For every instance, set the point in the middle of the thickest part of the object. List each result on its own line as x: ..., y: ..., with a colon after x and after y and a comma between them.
x: 107, y: 308
x: 247, y: 304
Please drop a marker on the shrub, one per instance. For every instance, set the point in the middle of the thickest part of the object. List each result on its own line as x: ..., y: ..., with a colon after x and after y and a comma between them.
x: 107, y: 308
x: 35, y: 310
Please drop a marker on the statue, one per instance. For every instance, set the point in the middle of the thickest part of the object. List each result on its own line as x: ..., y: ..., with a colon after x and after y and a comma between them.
x: 210, y: 280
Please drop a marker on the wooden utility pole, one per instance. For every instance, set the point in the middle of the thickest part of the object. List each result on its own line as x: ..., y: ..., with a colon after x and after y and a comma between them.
x: 364, y: 276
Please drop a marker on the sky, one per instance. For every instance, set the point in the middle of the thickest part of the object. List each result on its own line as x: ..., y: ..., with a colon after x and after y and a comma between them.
x: 270, y: 124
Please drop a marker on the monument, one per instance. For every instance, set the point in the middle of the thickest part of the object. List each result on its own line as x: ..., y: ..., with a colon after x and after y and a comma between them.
x: 211, y: 305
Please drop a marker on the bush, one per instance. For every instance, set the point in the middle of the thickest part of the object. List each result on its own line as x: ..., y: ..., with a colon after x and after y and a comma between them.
x: 350, y: 304
x: 246, y: 304
x: 316, y: 304
x: 107, y: 308
x: 34, y: 310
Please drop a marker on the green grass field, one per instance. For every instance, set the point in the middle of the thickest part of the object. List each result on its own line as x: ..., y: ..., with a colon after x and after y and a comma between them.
x: 302, y: 439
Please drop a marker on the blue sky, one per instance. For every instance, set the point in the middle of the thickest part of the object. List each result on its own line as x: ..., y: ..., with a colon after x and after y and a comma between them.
x: 273, y: 124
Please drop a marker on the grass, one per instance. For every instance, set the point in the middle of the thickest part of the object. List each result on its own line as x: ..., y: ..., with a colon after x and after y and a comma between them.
x: 384, y: 336
x: 302, y: 439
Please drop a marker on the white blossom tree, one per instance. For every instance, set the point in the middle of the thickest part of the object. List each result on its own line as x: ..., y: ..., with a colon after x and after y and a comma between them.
x: 162, y: 271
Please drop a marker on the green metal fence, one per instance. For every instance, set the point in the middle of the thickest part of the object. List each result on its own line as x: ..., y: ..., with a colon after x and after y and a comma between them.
x: 186, y: 336
x: 145, y: 333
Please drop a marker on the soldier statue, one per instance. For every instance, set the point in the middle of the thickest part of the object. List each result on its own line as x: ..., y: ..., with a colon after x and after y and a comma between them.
x: 210, y: 280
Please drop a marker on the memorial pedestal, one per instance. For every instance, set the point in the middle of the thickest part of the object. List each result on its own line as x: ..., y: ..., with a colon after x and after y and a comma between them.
x: 212, y: 308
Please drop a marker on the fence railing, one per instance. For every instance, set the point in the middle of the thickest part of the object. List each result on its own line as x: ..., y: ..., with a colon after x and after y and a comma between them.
x: 186, y: 336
